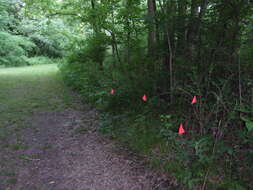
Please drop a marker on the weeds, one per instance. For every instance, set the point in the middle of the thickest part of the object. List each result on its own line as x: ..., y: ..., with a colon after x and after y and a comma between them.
x: 141, y: 109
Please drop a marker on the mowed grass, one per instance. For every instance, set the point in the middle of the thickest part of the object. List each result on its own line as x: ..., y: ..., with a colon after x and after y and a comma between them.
x: 28, y: 90
x: 25, y: 91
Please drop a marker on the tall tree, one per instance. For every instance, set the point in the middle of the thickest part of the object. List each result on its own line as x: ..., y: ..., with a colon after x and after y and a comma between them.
x: 152, y: 29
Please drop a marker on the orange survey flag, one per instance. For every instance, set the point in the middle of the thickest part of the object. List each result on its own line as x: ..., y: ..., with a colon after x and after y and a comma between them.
x: 194, y: 100
x: 181, y: 129
x: 112, y: 91
x: 144, y: 98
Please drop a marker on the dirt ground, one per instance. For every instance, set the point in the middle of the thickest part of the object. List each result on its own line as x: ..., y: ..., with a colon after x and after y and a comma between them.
x: 61, y: 149
x: 67, y: 153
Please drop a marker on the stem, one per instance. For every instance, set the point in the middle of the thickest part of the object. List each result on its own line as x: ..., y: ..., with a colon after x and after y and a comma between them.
x: 170, y: 64
x: 239, y: 80
x: 213, y: 151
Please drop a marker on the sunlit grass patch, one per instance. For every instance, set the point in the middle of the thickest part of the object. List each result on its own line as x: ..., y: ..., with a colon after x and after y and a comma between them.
x: 25, y: 91
x: 30, y: 89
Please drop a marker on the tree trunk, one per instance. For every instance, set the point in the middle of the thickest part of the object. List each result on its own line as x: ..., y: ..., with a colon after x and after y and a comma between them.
x: 181, y: 27
x: 152, y: 29
x: 94, y: 23
x: 168, y: 57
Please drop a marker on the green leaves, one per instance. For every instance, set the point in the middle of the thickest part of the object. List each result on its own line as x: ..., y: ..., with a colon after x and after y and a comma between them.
x: 15, y: 49
x: 248, y: 123
x: 246, y: 111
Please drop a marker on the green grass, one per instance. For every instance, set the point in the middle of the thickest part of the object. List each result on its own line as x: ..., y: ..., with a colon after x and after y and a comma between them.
x: 25, y: 91
x: 12, y: 181
x: 28, y: 90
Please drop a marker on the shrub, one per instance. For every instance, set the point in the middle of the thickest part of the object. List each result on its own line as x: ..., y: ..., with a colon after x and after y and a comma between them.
x: 15, y: 49
x: 39, y: 60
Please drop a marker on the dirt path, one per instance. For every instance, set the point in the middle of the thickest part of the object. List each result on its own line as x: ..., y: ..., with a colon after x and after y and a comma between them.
x: 54, y: 145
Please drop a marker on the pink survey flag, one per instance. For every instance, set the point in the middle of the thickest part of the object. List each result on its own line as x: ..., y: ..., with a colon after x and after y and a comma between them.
x: 144, y: 98
x: 194, y: 100
x: 181, y: 129
x: 112, y: 91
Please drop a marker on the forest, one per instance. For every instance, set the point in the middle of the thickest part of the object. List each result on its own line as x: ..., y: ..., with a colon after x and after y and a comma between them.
x: 172, y: 79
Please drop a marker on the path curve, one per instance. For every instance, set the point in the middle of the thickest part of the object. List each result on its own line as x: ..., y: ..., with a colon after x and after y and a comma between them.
x: 60, y: 159
x: 64, y: 149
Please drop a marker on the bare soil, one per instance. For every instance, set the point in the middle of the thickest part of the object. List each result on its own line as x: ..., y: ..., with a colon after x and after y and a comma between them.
x: 63, y: 150
x: 67, y: 153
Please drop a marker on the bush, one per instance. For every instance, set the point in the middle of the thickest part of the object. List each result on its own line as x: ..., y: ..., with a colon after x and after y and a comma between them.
x: 39, y: 60
x: 15, y: 49
x: 22, y: 38
x: 217, y: 144
x: 50, y: 36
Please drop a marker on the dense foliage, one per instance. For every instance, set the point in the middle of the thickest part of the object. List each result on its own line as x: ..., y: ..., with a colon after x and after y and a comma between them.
x: 170, y: 51
x: 23, y: 38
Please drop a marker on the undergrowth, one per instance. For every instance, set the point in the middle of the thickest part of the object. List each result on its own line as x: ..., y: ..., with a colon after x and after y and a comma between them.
x: 216, y: 150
